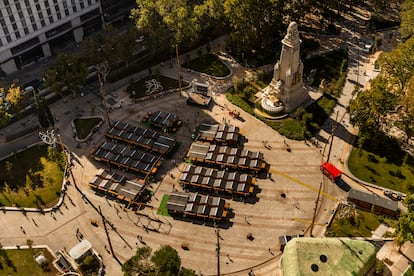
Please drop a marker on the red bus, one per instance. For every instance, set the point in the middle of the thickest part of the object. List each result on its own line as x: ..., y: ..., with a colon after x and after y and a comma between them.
x: 330, y: 171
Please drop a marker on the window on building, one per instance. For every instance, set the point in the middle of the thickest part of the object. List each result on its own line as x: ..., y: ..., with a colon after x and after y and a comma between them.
x: 74, y: 8
x: 82, y: 4
x: 6, y: 2
x: 65, y: 6
x: 34, y: 26
x: 5, y: 30
x: 26, y: 2
x: 8, y: 38
x: 18, y: 7
x: 51, y: 19
x: 26, y: 30
x: 17, y: 34
x: 59, y: 15
x: 49, y: 12
x: 89, y: 2
x: 29, y: 10
x: 14, y: 25
x: 43, y: 23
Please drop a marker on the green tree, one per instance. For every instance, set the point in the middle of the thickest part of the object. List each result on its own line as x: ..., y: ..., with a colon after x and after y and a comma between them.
x: 407, y: 19
x: 370, y: 108
x: 149, y: 22
x: 166, y: 259
x: 53, y: 81
x: 138, y: 263
x: 254, y: 23
x: 405, y: 225
x: 125, y: 45
x: 69, y: 72
x: 399, y: 65
x: 165, y: 23
x: 406, y: 112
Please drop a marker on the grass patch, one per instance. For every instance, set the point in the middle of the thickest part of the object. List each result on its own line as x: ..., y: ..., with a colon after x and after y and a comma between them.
x: 356, y: 224
x: 331, y: 66
x: 140, y: 89
x: 30, y: 179
x: 84, y: 126
x: 393, y: 170
x: 288, y: 127
x: 209, y: 64
x: 22, y: 263
x: 162, y: 210
x: 293, y: 128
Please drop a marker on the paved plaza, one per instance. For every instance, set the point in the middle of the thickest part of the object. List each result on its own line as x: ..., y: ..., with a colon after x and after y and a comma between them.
x: 295, y: 174
x: 284, y: 204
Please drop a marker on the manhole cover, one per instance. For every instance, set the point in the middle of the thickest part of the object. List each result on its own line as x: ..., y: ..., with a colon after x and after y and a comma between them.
x: 314, y: 267
x: 323, y: 258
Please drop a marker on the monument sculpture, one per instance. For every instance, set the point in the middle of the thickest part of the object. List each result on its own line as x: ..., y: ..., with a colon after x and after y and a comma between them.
x: 286, y: 90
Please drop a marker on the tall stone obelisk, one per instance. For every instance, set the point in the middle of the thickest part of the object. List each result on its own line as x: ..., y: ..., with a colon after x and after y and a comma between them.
x: 287, y: 83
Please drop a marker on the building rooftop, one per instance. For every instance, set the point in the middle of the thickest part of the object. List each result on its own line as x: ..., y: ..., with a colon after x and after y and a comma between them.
x: 141, y: 137
x: 328, y: 256
x: 127, y: 157
x: 226, y: 156
x: 219, y: 133
x: 80, y: 249
x: 374, y: 199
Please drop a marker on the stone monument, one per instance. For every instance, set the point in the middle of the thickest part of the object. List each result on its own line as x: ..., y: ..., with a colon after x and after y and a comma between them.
x: 286, y: 90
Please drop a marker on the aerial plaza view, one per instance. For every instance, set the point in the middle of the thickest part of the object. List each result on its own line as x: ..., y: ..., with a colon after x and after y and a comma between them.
x: 206, y: 137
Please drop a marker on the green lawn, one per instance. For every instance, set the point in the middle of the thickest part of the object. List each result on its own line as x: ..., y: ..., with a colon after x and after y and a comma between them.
x: 30, y: 179
x: 358, y: 225
x: 390, y: 170
x: 330, y: 66
x: 22, y: 263
x: 84, y: 126
x: 288, y: 127
x: 166, y: 82
x: 162, y: 210
x: 209, y: 64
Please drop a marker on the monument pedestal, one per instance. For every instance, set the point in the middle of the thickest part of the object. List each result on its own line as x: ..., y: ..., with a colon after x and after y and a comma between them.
x: 286, y: 88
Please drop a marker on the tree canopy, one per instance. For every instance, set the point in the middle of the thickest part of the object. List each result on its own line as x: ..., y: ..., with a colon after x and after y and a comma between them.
x: 69, y: 72
x: 405, y: 224
x: 407, y: 19
x: 370, y: 108
x: 164, y: 261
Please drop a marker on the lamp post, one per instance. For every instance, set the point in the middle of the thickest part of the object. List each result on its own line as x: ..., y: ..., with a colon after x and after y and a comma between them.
x: 101, y: 79
x: 178, y: 67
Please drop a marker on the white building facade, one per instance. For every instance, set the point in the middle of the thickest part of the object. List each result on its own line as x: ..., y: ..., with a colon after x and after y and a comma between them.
x: 31, y: 30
